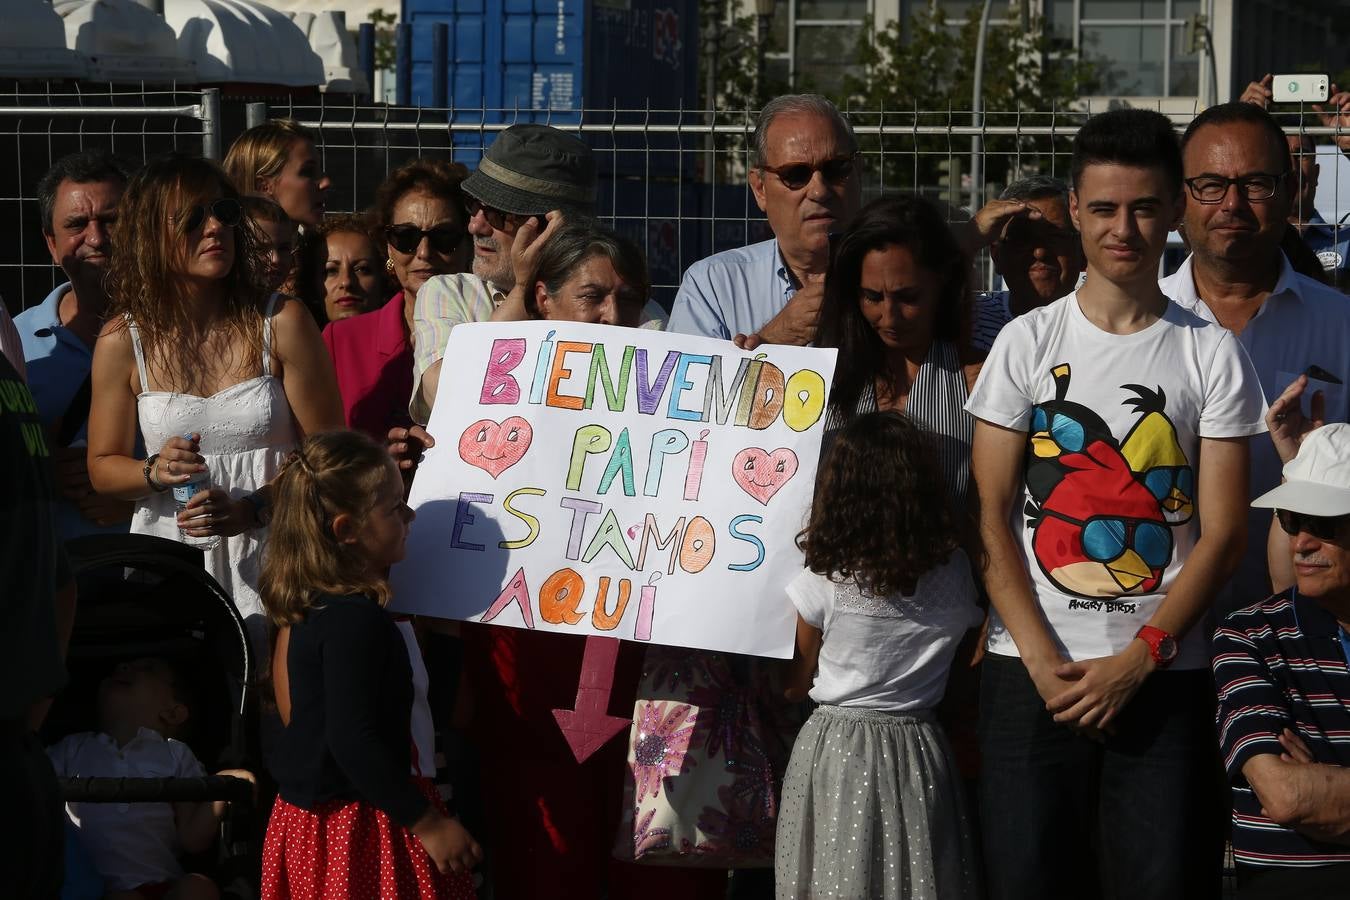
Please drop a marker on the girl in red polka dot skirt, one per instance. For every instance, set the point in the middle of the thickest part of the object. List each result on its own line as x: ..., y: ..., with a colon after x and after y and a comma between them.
x: 349, y: 821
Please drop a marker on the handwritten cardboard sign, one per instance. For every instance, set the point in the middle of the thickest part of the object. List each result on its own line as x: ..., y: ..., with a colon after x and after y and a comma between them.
x: 598, y: 480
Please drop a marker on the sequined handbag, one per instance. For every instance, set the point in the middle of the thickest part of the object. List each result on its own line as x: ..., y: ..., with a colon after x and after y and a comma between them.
x: 706, y: 755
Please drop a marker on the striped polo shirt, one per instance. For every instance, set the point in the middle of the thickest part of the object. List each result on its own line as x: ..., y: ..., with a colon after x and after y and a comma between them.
x: 1280, y: 664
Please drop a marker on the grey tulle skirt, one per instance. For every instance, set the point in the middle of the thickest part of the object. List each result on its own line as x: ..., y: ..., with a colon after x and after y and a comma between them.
x: 872, y: 808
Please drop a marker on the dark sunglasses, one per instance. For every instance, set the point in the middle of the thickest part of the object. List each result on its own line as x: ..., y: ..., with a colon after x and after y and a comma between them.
x: 497, y: 218
x: 226, y: 211
x: 1324, y: 528
x: 798, y: 175
x: 406, y: 238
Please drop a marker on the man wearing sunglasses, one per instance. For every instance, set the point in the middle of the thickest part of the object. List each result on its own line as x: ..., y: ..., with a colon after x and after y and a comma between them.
x: 805, y: 177
x: 1240, y: 191
x: 78, y: 200
x: 1280, y: 668
x: 528, y: 171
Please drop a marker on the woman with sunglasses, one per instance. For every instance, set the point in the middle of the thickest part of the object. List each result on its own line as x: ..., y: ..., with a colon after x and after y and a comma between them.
x: 419, y: 213
x: 222, y: 377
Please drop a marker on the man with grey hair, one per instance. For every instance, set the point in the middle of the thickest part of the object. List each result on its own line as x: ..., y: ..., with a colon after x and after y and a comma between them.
x: 804, y: 176
x: 1034, y: 247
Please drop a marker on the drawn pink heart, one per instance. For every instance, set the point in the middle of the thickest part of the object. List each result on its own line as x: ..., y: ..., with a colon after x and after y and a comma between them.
x: 761, y: 473
x: 495, y: 447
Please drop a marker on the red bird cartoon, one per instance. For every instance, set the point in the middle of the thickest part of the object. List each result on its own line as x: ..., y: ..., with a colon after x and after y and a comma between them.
x: 1100, y: 532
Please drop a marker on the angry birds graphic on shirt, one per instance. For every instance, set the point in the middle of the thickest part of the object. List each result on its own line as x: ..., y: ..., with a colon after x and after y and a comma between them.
x: 1102, y: 511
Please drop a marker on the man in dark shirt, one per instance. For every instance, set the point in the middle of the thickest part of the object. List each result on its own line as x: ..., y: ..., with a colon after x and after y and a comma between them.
x: 36, y: 611
x: 1284, y: 690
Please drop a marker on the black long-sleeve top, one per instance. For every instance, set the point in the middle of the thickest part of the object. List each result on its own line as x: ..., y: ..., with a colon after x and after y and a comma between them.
x: 351, y: 697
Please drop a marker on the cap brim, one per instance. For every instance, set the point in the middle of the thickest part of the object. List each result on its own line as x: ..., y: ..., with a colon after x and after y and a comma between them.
x: 1307, y: 497
x: 491, y: 192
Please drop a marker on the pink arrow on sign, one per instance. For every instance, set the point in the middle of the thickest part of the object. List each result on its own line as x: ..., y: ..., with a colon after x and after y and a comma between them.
x: 589, y: 726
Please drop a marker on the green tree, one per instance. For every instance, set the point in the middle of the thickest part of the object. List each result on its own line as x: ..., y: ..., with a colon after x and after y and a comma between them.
x: 386, y: 42
x: 924, y: 75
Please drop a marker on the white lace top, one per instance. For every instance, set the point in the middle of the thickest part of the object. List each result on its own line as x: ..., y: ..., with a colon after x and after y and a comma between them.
x: 247, y: 430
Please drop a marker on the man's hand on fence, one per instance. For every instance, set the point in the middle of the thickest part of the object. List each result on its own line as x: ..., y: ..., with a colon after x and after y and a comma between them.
x: 1336, y: 114
x: 1259, y: 92
x: 796, y: 322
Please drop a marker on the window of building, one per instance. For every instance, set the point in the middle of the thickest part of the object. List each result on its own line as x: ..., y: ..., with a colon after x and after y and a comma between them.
x: 1138, y: 45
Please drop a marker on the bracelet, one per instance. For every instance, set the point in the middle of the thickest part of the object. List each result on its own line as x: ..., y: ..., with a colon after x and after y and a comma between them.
x: 149, y: 468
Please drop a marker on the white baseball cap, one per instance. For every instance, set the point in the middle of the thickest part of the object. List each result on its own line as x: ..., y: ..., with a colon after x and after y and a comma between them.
x: 1317, y: 481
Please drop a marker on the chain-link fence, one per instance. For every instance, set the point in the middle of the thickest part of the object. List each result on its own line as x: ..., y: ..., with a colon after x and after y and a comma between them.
x: 39, y: 125
x: 674, y: 180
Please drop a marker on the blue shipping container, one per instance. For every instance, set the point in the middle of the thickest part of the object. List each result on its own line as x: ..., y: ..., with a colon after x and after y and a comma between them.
x: 557, y: 57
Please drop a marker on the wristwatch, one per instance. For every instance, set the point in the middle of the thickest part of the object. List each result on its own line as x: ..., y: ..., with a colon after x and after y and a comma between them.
x: 1161, y: 645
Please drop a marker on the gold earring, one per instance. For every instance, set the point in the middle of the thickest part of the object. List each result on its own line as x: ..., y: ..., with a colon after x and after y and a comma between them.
x: 389, y: 266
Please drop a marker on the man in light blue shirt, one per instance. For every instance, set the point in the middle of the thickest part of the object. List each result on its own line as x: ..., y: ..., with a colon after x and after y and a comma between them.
x: 804, y: 176
x: 78, y: 199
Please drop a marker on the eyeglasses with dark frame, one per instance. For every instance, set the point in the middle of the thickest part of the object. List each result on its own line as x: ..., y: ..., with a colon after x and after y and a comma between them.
x: 226, y: 211
x: 796, y: 176
x: 407, y: 237
x: 1324, y: 528
x: 1213, y: 188
x: 497, y: 218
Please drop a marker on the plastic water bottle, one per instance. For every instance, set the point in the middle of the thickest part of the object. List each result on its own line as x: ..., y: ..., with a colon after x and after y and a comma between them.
x: 182, y: 493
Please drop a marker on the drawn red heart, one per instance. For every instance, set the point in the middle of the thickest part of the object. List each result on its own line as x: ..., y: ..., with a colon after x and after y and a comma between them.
x: 495, y: 447
x: 761, y: 473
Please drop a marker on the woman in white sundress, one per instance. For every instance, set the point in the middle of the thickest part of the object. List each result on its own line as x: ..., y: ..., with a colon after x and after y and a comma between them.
x: 223, y: 378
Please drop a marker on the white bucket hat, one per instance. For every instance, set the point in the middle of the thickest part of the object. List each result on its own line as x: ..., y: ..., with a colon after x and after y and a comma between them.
x: 1317, y: 481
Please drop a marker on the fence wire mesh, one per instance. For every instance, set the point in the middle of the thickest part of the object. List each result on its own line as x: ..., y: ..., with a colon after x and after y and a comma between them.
x: 673, y: 180
x: 39, y: 125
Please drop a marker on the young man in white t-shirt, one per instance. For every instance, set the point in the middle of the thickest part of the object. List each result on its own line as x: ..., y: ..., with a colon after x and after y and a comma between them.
x: 1111, y: 460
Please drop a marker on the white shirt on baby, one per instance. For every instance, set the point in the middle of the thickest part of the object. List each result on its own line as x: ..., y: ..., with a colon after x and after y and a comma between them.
x: 131, y: 844
x: 890, y: 654
x: 1113, y: 424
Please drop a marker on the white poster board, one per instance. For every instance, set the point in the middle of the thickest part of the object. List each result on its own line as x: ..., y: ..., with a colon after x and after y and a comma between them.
x: 590, y: 479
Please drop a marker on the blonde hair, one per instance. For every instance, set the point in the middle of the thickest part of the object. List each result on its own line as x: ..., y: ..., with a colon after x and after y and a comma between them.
x: 145, y: 282
x: 261, y: 152
x: 329, y: 474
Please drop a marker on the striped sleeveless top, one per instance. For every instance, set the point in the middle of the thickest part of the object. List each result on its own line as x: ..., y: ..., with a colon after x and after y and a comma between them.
x: 937, y: 401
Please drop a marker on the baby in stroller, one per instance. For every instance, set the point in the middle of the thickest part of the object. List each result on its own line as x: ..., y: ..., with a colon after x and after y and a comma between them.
x: 143, y: 708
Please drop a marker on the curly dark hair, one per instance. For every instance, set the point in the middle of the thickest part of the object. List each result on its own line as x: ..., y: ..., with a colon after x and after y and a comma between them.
x: 435, y: 176
x: 903, y: 220
x: 881, y: 515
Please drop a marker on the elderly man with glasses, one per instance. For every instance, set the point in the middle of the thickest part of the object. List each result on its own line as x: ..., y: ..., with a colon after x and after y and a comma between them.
x: 1240, y: 189
x: 805, y: 177
x: 1280, y: 668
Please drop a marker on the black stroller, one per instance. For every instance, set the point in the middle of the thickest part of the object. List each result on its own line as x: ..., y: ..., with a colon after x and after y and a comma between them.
x: 147, y: 596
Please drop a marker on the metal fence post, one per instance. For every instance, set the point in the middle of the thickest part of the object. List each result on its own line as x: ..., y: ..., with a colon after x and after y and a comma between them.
x: 403, y: 65
x: 210, y: 116
x: 255, y: 114
x: 365, y: 50
x: 440, y: 65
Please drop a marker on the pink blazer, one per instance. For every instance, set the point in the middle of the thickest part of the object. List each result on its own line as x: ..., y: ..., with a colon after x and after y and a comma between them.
x: 374, y: 360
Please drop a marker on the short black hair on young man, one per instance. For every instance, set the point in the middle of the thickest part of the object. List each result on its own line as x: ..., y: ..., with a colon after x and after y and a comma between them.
x: 82, y: 167
x: 1128, y: 137
x: 1250, y: 113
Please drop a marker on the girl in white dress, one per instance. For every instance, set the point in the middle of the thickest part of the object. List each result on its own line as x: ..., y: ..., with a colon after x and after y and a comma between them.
x: 872, y: 806
x: 220, y: 376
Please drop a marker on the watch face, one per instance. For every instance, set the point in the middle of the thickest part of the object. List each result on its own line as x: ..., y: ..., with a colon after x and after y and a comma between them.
x: 1167, y: 648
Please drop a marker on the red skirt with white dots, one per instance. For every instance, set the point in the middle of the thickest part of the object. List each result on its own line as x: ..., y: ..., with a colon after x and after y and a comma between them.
x: 351, y: 850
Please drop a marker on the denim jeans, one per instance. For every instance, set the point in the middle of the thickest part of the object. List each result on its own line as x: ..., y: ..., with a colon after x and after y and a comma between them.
x: 1141, y: 815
